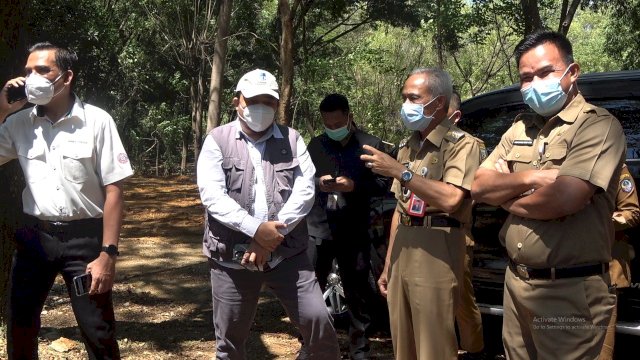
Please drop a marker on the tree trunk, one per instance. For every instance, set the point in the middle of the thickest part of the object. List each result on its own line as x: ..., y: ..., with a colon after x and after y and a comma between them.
x: 286, y: 61
x: 217, y: 68
x: 531, y: 14
x: 566, y: 15
x: 195, y: 95
x: 184, y: 152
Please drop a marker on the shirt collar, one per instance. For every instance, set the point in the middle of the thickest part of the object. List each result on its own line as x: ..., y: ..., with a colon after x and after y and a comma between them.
x: 273, y: 131
x: 571, y: 112
x: 77, y: 111
x: 435, y: 136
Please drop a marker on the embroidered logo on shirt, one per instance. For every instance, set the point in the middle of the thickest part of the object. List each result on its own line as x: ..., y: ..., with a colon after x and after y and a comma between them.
x: 626, y: 185
x: 122, y: 158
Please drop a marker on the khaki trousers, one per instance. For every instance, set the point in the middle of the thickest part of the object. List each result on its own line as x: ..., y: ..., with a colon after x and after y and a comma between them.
x: 468, y: 315
x: 556, y: 319
x: 426, y: 267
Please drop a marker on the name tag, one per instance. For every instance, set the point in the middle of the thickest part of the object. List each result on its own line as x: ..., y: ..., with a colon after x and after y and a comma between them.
x: 528, y: 142
x: 417, y: 206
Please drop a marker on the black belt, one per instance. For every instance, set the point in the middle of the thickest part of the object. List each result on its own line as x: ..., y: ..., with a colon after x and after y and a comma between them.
x: 71, y: 227
x: 527, y: 273
x: 429, y: 221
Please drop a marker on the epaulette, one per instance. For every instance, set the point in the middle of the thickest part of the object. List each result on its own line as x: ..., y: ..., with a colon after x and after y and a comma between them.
x: 404, y: 142
x: 454, y: 135
x: 483, y: 148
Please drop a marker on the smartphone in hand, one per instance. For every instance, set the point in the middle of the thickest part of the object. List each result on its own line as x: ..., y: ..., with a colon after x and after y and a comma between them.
x: 329, y: 181
x: 16, y: 93
x: 82, y: 284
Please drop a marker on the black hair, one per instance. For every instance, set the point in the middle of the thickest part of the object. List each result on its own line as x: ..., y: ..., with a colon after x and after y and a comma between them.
x: 542, y: 37
x: 333, y: 102
x: 65, y: 58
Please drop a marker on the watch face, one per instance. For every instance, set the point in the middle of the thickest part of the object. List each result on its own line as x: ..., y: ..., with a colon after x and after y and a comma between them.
x: 406, y: 175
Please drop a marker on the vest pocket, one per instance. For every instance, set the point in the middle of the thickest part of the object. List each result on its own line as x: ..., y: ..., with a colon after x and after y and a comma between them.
x: 285, y: 174
x: 234, y: 173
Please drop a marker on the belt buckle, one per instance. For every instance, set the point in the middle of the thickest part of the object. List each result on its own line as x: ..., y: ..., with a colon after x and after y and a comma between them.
x: 522, y: 271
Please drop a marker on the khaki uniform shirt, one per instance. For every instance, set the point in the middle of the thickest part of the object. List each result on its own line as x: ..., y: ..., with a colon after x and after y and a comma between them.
x: 447, y: 154
x: 583, y: 141
x: 626, y: 215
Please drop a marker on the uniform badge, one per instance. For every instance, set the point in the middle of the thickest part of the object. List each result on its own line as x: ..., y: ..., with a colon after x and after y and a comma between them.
x: 424, y: 171
x: 417, y: 206
x: 483, y: 151
x: 626, y: 185
x: 332, y: 202
x: 283, y: 151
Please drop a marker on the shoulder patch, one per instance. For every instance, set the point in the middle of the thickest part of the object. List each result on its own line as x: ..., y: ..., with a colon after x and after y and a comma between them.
x: 454, y: 135
x: 483, y: 150
x: 626, y: 184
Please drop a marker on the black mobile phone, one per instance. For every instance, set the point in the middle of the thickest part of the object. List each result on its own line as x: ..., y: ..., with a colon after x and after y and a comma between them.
x: 329, y: 181
x: 82, y: 284
x: 16, y: 93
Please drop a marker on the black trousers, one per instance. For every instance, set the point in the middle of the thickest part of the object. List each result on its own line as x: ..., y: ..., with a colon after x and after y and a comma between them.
x: 353, y: 256
x: 42, y: 253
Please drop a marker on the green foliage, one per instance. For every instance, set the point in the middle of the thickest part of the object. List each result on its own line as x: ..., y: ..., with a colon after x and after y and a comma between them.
x: 623, y: 32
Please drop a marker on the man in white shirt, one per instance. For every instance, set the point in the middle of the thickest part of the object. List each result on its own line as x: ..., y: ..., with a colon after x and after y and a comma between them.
x: 73, y: 163
x: 256, y: 181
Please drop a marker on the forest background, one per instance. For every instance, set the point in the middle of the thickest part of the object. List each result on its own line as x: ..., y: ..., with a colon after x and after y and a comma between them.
x: 166, y: 70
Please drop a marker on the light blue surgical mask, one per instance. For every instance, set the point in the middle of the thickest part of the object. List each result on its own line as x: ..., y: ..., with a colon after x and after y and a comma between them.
x: 546, y: 96
x: 413, y: 116
x: 337, y: 134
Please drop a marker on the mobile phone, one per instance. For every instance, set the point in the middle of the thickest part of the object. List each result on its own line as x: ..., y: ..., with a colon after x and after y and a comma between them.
x: 329, y: 181
x: 16, y: 93
x: 82, y: 284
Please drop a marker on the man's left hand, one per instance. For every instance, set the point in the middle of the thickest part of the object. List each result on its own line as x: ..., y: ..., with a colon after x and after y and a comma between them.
x: 103, y: 272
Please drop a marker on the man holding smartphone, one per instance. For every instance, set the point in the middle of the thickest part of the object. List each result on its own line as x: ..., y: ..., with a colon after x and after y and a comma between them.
x: 73, y: 163
x: 339, y: 220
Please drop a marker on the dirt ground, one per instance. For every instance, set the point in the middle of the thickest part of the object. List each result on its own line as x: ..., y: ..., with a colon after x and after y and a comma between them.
x: 162, y: 293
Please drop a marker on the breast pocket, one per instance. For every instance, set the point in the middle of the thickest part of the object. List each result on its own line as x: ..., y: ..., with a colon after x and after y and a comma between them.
x: 77, y: 163
x: 34, y: 163
x: 520, y: 158
x: 285, y: 173
x: 234, y: 170
x: 555, y: 154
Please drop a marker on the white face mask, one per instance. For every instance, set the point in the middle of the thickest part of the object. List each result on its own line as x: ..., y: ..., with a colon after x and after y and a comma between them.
x: 258, y: 117
x: 39, y: 89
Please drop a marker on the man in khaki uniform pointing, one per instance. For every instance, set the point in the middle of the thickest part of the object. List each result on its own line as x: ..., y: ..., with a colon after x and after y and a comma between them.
x: 424, y: 263
x: 556, y: 172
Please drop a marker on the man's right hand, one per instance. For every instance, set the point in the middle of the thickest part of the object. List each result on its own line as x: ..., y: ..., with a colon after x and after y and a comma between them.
x: 382, y: 280
x: 5, y: 107
x: 542, y: 178
x: 268, y: 235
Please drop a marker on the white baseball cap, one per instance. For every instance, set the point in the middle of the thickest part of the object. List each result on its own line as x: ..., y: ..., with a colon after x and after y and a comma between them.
x: 258, y: 82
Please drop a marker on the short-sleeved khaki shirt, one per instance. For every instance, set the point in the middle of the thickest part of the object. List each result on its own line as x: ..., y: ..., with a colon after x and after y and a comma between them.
x: 447, y: 154
x: 583, y: 141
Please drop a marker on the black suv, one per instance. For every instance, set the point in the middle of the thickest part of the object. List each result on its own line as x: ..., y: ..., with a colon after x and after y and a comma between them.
x: 488, y: 116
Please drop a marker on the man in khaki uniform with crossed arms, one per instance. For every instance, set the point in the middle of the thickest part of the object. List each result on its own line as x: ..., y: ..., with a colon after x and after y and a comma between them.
x: 424, y: 263
x: 556, y: 172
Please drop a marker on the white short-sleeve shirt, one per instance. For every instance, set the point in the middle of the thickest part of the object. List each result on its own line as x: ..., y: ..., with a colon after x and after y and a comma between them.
x: 66, y: 164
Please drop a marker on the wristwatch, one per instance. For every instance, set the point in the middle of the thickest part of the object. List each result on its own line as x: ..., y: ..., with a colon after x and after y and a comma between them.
x: 406, y: 176
x: 111, y: 250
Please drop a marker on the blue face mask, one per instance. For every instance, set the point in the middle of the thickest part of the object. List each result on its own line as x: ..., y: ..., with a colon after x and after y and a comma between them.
x: 413, y: 116
x: 546, y: 96
x: 337, y: 134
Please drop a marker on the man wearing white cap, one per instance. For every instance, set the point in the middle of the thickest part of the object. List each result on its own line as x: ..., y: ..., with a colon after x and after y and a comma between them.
x: 256, y: 182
